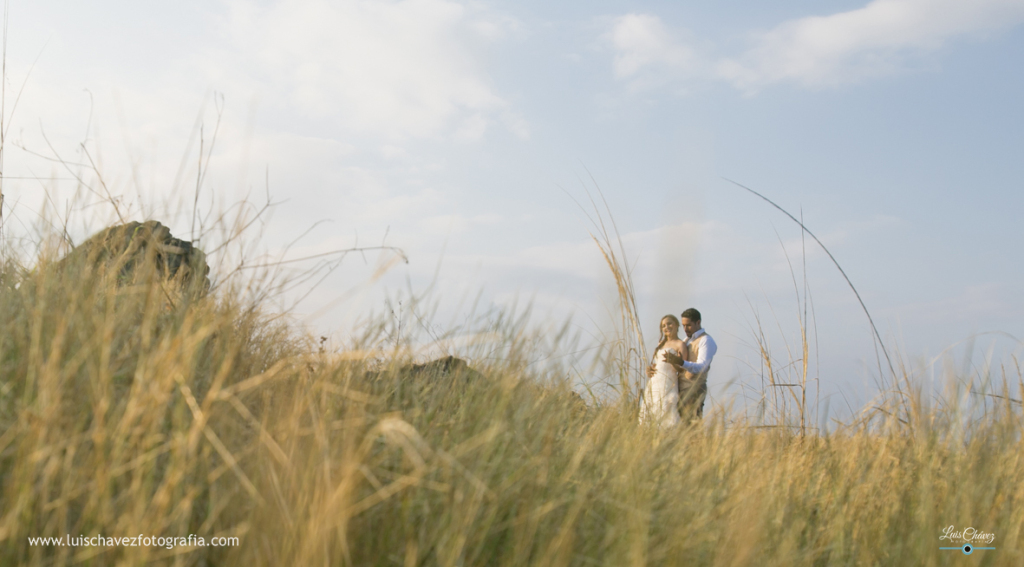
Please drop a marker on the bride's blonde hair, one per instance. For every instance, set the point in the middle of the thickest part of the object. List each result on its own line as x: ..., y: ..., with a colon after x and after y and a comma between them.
x: 664, y: 339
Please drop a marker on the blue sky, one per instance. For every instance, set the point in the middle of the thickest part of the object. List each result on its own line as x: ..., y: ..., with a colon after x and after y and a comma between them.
x: 460, y: 130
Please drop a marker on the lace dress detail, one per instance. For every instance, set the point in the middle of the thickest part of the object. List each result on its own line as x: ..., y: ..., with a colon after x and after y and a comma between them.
x: 661, y: 396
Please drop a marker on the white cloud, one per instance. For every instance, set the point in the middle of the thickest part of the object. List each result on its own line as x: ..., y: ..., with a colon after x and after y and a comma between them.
x: 642, y: 41
x: 337, y: 100
x: 883, y: 37
x: 407, y: 68
x: 875, y: 40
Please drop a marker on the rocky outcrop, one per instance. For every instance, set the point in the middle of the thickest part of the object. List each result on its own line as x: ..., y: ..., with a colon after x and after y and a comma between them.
x: 454, y: 375
x: 129, y: 249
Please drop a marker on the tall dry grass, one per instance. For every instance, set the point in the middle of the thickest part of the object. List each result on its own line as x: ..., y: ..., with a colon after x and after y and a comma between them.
x: 134, y: 409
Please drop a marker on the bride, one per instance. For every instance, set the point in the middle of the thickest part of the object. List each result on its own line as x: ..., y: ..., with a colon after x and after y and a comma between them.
x: 661, y: 396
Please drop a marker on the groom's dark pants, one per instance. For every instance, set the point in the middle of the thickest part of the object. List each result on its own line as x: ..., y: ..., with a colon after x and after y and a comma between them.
x: 691, y: 398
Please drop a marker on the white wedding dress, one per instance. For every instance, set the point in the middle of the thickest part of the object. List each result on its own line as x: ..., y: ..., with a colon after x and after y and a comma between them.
x: 661, y: 396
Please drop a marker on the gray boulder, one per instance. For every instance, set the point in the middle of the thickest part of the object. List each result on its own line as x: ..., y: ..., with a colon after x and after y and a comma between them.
x: 130, y: 249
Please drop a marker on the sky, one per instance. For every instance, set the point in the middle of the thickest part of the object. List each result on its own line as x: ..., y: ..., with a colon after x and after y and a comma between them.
x: 471, y: 136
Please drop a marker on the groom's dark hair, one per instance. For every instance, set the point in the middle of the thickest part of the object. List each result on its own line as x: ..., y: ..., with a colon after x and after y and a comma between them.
x: 691, y: 314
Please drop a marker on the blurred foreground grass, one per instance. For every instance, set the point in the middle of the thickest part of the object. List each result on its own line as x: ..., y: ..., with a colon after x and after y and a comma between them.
x: 135, y: 410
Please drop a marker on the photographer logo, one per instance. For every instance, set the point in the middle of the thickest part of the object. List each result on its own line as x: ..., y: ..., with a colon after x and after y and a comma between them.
x: 969, y: 539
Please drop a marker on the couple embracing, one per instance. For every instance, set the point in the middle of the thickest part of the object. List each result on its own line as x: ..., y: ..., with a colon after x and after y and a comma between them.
x: 677, y: 378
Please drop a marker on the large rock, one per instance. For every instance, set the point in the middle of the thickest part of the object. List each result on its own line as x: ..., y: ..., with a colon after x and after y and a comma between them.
x: 454, y: 374
x: 128, y: 248
x: 443, y: 368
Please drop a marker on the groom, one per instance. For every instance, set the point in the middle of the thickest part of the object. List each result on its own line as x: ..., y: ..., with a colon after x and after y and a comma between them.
x: 693, y: 373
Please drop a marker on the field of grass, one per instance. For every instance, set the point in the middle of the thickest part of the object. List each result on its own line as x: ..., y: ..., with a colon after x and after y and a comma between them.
x: 134, y: 409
